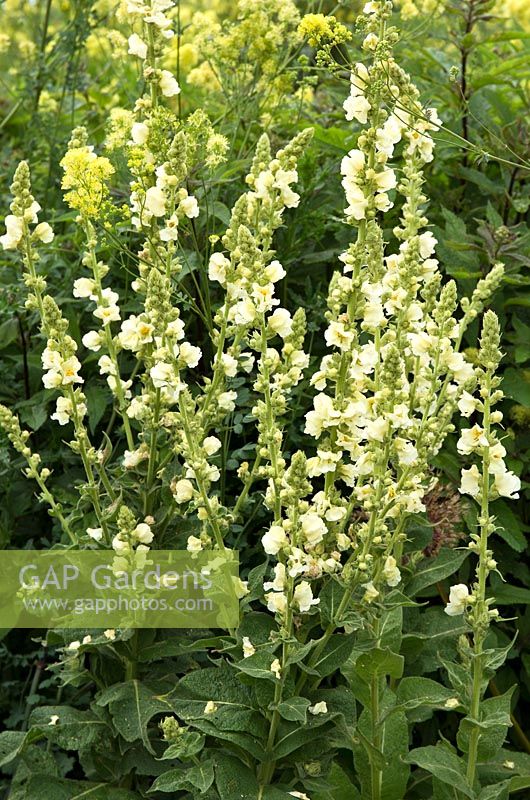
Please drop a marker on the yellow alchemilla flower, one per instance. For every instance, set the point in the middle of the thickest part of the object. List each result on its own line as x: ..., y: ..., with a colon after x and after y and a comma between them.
x: 319, y: 29
x: 203, y: 76
x: 314, y: 28
x: 188, y: 55
x: 412, y: 8
x: 515, y: 8
x: 85, y: 174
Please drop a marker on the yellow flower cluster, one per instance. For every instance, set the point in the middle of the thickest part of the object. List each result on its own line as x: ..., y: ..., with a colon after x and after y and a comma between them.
x: 85, y: 174
x: 521, y: 416
x: 412, y: 8
x: 511, y: 10
x: 520, y: 9
x: 118, y: 127
x: 234, y: 47
x: 320, y: 29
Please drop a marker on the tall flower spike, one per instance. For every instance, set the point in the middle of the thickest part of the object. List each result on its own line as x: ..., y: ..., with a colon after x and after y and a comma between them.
x: 385, y: 398
x: 485, y: 480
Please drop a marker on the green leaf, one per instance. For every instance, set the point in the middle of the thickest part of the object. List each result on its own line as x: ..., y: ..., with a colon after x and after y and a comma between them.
x: 187, y: 745
x: 432, y: 570
x: 340, y: 702
x: 390, y: 628
x: 498, y: 74
x: 494, y: 657
x: 98, y: 401
x: 178, y: 646
x: 35, y: 760
x: 519, y: 782
x: 33, y: 414
x: 506, y: 594
x: 375, y: 756
x: 442, y: 791
x: 221, y: 211
x: 497, y: 791
x: 257, y: 626
x: 335, y: 137
x: 492, y: 724
x: 298, y: 651
x: 293, y: 738
x: 294, y: 709
x: 330, y: 598
x: 200, y: 776
x: 509, y: 526
x: 487, y: 186
x: 395, y: 745
x: 505, y: 36
x: 8, y: 332
x: 249, y: 743
x: 73, y: 730
x: 11, y: 745
x: 258, y: 666
x: 234, y: 779
x: 378, y: 662
x: 515, y: 386
x: 444, y: 764
x: 40, y: 786
x: 334, y: 654
x: 339, y: 787
x: 234, y: 720
x: 454, y: 225
x: 458, y: 676
x: 418, y: 692
x: 132, y: 705
x: 219, y: 684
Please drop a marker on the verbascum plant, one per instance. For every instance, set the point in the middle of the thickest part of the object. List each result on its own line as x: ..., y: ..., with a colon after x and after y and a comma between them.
x: 316, y: 694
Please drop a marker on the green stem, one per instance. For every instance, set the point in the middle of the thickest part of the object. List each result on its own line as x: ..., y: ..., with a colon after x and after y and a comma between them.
x: 375, y: 770
x: 480, y: 611
x: 42, y: 53
x: 377, y: 726
x: 151, y: 60
x: 109, y: 340
x: 269, y: 766
x: 271, y: 443
x: 55, y: 509
x: 37, y: 675
x: 153, y: 451
x: 246, y: 489
x: 218, y: 535
x: 317, y: 652
x: 81, y: 435
x: 131, y: 664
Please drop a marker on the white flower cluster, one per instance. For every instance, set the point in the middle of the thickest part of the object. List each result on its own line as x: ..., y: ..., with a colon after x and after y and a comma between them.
x: 494, y: 479
x: 25, y: 211
x: 367, y: 179
x: 247, y: 319
x: 60, y: 370
x: 15, y: 225
x: 156, y: 25
x: 157, y: 338
x: 164, y: 199
x: 151, y: 12
x: 475, y: 440
x: 458, y: 600
x: 490, y: 480
x: 131, y: 543
x: 388, y: 389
